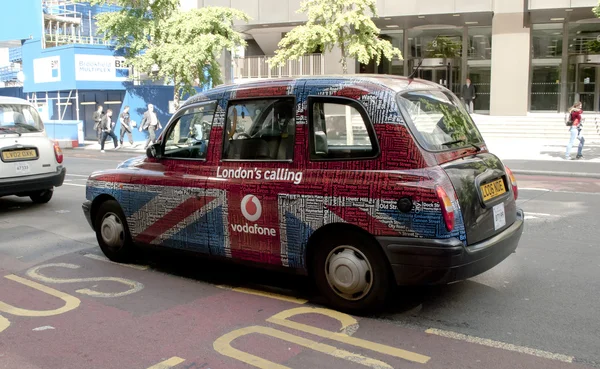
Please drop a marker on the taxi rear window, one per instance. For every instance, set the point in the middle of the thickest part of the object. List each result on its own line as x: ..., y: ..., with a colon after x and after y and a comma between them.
x: 438, y: 120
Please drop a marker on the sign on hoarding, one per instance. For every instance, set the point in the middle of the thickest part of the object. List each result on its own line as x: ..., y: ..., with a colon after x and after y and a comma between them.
x: 100, y: 68
x: 46, y: 69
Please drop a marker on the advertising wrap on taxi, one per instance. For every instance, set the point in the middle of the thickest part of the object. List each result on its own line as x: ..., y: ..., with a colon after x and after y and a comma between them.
x: 100, y: 68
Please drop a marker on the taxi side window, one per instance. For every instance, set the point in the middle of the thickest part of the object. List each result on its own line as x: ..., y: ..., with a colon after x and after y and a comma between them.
x: 340, y: 130
x: 260, y: 129
x: 189, y: 136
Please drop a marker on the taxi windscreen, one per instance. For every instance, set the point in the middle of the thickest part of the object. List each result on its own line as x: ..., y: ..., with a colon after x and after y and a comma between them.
x: 439, y: 120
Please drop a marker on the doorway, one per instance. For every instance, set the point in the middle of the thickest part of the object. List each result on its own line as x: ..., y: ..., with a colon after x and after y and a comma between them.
x: 441, y: 71
x: 588, y: 86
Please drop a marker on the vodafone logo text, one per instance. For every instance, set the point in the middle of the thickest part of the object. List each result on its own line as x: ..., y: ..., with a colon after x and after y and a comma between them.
x: 252, y: 210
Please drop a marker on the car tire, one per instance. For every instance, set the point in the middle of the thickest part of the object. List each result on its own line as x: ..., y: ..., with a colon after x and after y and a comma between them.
x: 112, y: 232
x: 42, y: 197
x: 352, y: 272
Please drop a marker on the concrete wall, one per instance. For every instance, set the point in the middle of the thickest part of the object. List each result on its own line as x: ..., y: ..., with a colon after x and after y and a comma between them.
x: 510, y: 60
x: 278, y: 11
x: 553, y: 4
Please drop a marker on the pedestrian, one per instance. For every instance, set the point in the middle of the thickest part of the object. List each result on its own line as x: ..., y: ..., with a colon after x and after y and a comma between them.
x: 107, y: 126
x: 97, y: 117
x: 125, y: 120
x: 150, y: 123
x: 575, y: 123
x: 468, y: 95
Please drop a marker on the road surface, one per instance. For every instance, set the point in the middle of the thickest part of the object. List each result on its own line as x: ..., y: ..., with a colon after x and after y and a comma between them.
x: 63, y: 305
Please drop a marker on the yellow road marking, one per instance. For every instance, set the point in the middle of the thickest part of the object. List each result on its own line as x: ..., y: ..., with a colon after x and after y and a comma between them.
x: 168, y: 363
x: 500, y: 345
x: 223, y: 346
x: 270, y: 295
x: 71, y: 302
x: 102, y: 258
x: 133, y: 285
x: 4, y: 323
x: 347, y: 321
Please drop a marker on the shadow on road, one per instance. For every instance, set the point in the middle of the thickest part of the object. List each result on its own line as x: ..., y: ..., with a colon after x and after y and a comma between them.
x: 406, y: 301
x: 558, y: 151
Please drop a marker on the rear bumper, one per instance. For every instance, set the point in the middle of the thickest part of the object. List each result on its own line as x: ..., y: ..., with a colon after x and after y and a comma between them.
x: 427, y: 261
x: 28, y: 184
x: 87, y: 211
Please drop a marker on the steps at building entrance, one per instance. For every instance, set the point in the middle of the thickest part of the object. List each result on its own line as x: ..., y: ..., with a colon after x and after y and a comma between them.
x: 535, y: 126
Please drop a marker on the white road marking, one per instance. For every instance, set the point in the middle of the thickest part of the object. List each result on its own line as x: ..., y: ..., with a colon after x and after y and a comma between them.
x: 102, y: 258
x: 542, y: 214
x: 44, y: 328
x: 501, y: 345
x: 73, y: 184
x: 78, y: 175
x: 533, y: 189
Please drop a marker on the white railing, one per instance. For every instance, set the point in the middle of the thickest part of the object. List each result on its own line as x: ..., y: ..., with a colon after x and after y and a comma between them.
x: 258, y: 67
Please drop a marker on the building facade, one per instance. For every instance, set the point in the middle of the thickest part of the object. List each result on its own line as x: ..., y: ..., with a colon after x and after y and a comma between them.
x: 57, y: 61
x: 522, y: 55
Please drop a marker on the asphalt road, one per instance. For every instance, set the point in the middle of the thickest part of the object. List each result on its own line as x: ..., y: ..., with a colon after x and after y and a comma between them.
x: 62, y: 305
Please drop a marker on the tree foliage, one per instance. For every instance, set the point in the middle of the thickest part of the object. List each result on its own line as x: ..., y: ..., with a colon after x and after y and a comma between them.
x: 346, y: 24
x: 179, y: 47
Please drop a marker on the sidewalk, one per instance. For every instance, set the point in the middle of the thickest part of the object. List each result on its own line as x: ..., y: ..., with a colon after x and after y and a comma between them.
x: 138, y: 146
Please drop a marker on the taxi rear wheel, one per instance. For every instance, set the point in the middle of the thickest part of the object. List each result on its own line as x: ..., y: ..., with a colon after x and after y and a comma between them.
x: 112, y: 232
x: 42, y: 197
x: 352, y: 272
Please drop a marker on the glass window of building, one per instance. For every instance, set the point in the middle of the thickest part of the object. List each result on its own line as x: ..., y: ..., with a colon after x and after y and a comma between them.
x: 547, y: 40
x: 480, y: 65
x: 480, y: 43
x: 584, y: 38
x: 396, y: 66
x: 433, y: 43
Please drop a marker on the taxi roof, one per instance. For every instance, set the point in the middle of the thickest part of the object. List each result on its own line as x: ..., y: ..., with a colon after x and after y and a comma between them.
x: 393, y: 83
x: 13, y: 100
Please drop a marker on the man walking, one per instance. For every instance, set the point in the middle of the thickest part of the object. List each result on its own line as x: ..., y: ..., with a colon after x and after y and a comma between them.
x: 151, y: 123
x: 468, y: 95
x: 97, y: 117
x: 125, y: 120
x: 107, y: 126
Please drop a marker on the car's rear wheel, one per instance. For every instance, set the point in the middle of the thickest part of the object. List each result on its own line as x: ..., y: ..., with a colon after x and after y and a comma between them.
x: 42, y: 197
x: 112, y: 232
x: 352, y: 272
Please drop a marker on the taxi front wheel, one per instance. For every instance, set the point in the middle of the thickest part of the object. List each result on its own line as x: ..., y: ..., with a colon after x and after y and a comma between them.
x: 112, y: 232
x: 352, y: 272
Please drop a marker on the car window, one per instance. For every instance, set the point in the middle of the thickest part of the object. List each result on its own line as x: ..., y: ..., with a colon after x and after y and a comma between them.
x: 340, y: 130
x: 189, y: 135
x: 20, y: 118
x: 439, y: 120
x: 260, y: 129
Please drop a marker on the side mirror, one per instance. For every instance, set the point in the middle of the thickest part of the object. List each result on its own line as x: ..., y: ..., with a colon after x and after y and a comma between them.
x: 154, y: 151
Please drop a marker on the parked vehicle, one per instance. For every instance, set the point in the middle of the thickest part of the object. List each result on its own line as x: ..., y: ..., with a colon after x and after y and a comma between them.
x: 402, y: 191
x: 31, y: 164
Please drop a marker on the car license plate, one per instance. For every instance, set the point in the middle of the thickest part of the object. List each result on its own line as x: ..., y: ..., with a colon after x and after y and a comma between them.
x: 22, y: 168
x: 493, y: 189
x: 19, y: 155
x: 499, y: 217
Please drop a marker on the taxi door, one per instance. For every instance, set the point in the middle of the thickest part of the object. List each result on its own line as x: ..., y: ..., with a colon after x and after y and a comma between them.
x: 177, y: 213
x: 256, y: 166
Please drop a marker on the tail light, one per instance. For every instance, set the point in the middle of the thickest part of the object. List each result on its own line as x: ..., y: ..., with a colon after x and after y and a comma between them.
x: 447, y: 208
x: 58, y: 153
x: 513, y: 182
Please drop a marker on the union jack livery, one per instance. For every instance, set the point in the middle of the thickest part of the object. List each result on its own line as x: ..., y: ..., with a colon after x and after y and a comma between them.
x: 359, y: 181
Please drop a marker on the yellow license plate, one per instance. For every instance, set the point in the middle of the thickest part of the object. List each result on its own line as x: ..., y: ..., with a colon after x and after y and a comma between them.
x: 19, y: 154
x: 493, y: 189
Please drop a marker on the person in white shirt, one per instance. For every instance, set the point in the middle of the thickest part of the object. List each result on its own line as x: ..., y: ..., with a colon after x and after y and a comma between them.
x: 151, y: 123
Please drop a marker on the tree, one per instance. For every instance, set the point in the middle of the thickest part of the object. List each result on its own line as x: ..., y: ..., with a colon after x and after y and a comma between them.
x: 343, y: 23
x: 179, y: 47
